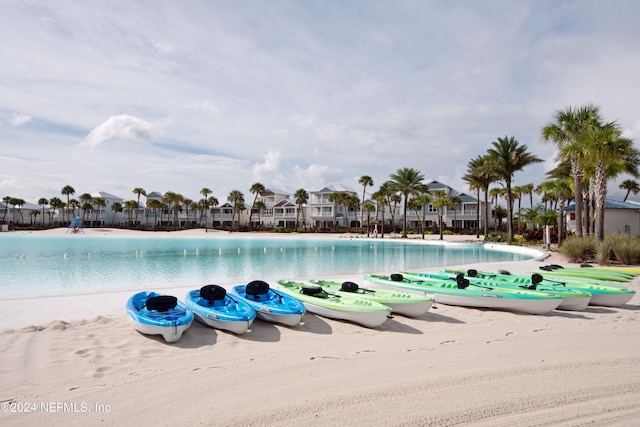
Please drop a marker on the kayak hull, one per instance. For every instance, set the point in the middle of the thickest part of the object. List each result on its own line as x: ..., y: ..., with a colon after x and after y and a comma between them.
x: 403, y: 303
x: 366, y: 313
x: 170, y: 324
x: 273, y: 307
x: 228, y: 314
x: 447, y: 292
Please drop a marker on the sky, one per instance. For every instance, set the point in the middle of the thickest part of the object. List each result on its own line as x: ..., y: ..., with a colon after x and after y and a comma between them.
x: 174, y: 96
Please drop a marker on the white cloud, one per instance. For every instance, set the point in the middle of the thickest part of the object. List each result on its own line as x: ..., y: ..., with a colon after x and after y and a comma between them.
x: 19, y: 119
x: 121, y: 127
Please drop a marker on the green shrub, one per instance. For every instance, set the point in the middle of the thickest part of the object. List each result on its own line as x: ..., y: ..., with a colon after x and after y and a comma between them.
x: 603, y: 255
x: 578, y: 249
x: 497, y: 237
x: 625, y: 248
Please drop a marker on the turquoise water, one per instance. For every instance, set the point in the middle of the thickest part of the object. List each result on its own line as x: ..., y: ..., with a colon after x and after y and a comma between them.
x: 62, y: 265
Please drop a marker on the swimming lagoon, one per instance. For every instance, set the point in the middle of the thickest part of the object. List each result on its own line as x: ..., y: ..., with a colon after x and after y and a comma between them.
x: 32, y: 265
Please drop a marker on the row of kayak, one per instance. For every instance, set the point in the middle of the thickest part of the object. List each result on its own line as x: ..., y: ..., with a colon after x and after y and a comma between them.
x: 285, y: 302
x: 406, y: 293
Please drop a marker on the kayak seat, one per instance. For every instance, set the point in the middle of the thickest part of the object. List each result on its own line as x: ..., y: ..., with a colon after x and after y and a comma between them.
x: 312, y: 290
x: 472, y: 272
x: 349, y: 287
x: 213, y: 293
x: 257, y: 290
x: 397, y: 277
x: 161, y: 303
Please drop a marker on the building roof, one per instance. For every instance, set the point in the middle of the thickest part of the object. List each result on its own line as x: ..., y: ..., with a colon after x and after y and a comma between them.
x: 610, y: 204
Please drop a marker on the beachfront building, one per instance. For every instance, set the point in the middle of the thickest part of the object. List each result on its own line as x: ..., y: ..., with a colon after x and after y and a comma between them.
x: 279, y: 210
x: 460, y: 215
x: 107, y: 214
x: 326, y: 213
x: 619, y: 217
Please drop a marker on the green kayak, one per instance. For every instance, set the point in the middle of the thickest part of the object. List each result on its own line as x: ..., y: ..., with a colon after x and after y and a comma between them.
x: 343, y: 307
x: 603, y: 293
x: 405, y: 303
x: 463, y: 293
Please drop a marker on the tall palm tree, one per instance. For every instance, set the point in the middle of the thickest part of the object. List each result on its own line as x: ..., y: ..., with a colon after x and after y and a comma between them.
x: 138, y: 192
x: 455, y: 202
x: 259, y: 190
x: 408, y: 182
x: 236, y: 198
x: 481, y: 175
x: 419, y: 204
x: 381, y: 200
x: 86, y: 204
x: 337, y: 198
x: 100, y: 204
x: 131, y: 206
x: 115, y: 208
x: 507, y: 157
x: 260, y: 206
x: 442, y: 202
x: 43, y: 202
x: 567, y: 126
x: 368, y: 207
x: 5, y: 200
x: 213, y: 204
x: 610, y: 154
x: 301, y: 197
x: 56, y: 205
x: 205, y: 206
x: 528, y: 189
x: 68, y: 191
x: 631, y: 186
x: 351, y: 201
x: 365, y: 181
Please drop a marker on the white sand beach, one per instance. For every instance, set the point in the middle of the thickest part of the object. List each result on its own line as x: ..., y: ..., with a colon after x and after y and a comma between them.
x: 452, y: 366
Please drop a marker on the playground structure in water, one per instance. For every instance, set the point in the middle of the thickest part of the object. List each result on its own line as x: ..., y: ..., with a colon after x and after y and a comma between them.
x: 76, y: 226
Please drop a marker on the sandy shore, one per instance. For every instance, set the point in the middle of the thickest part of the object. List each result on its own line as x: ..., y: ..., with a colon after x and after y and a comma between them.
x: 451, y: 366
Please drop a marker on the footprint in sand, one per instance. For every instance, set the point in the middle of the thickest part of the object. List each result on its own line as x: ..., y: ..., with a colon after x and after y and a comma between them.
x: 101, y: 371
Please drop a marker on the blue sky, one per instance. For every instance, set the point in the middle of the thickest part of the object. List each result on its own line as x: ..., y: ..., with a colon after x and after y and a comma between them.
x: 177, y: 96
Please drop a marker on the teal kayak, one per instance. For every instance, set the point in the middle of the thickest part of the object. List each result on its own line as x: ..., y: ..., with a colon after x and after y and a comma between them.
x: 461, y: 292
x: 572, y: 299
x: 603, y: 293
x: 317, y: 300
x: 590, y: 273
x: 405, y: 303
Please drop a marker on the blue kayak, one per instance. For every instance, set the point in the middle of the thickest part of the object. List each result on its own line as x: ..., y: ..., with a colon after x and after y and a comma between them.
x: 152, y: 313
x: 213, y: 307
x: 270, y: 305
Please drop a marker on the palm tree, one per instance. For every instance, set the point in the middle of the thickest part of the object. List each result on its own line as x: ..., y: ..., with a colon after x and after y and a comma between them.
x: 56, y: 204
x: 213, y: 203
x: 609, y: 154
x: 368, y: 207
x: 205, y: 206
x: 301, y: 197
x: 351, y: 201
x: 381, y: 200
x: 259, y: 205
x: 568, y: 125
x: 631, y: 186
x: 236, y: 198
x: 100, y: 204
x: 86, y: 204
x: 455, y: 202
x: 131, y: 205
x: 442, y: 202
x: 508, y: 157
x: 43, y: 202
x: 257, y: 189
x: 115, y: 208
x: 481, y: 176
x: 68, y: 191
x: 5, y: 200
x: 419, y: 204
x: 408, y: 182
x: 528, y: 189
x: 337, y: 198
x: 365, y: 181
x: 139, y: 192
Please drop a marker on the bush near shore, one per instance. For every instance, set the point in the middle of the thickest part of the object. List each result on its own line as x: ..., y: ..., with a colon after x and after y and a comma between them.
x: 615, y: 248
